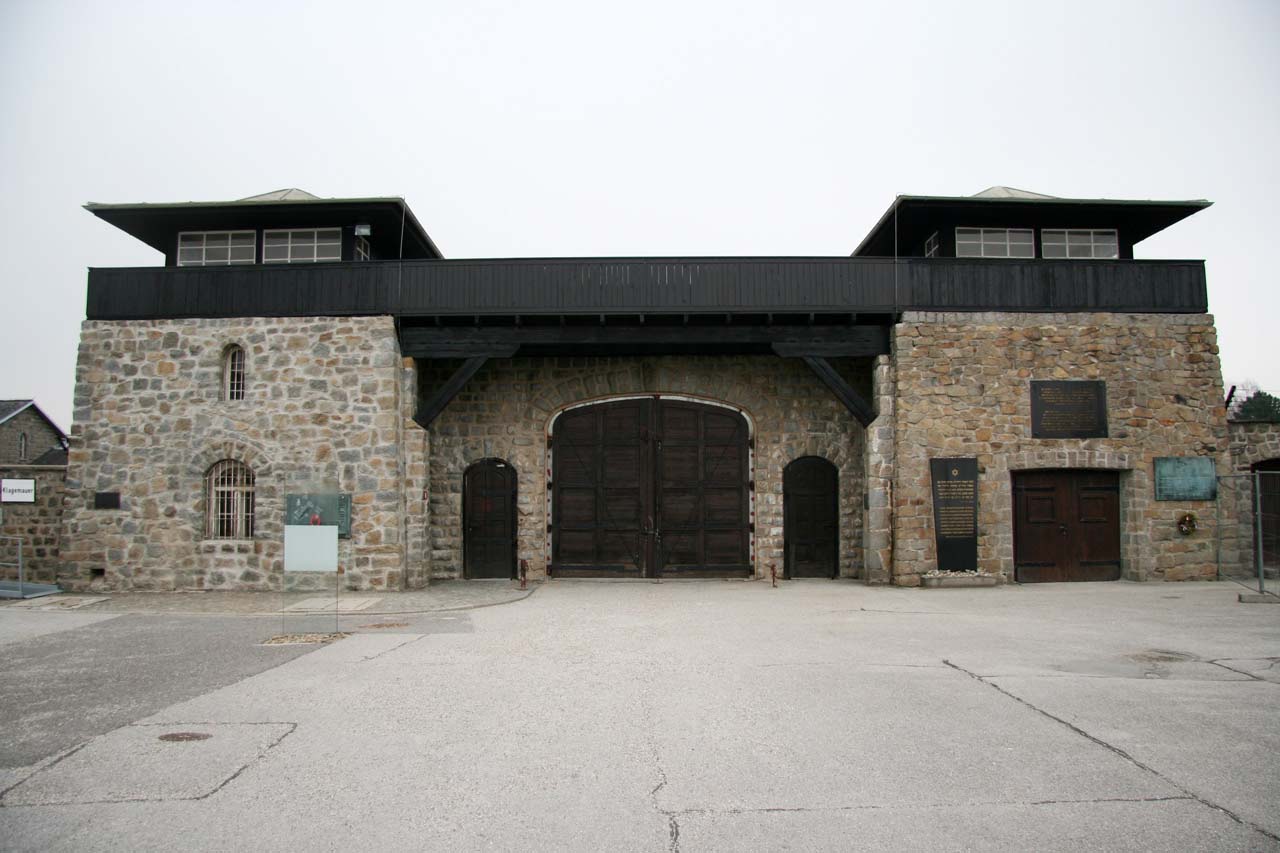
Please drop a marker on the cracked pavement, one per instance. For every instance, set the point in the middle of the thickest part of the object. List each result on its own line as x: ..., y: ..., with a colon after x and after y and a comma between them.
x: 684, y: 717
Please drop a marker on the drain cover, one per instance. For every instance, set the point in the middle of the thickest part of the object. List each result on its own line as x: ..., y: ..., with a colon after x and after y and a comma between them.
x: 180, y: 737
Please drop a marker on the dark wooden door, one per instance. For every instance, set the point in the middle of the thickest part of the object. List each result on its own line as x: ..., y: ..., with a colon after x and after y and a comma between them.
x: 489, y: 520
x: 810, y: 523
x: 1269, y: 498
x: 649, y: 486
x: 701, y: 491
x: 1066, y: 526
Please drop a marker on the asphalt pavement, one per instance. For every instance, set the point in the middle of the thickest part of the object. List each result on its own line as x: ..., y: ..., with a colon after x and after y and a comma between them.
x: 676, y: 716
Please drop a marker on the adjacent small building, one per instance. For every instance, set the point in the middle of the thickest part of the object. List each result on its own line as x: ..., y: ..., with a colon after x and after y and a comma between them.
x: 988, y: 383
x: 33, y: 452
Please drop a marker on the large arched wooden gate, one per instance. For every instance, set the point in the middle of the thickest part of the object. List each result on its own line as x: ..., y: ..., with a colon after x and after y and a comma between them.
x: 648, y: 487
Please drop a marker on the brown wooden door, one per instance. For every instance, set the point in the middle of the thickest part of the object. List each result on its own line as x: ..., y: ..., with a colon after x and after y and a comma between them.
x: 1066, y: 526
x: 810, y: 525
x: 649, y: 486
x: 489, y: 520
x: 1269, y: 495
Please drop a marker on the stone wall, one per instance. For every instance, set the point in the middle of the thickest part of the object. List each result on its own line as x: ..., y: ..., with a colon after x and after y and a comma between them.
x: 1251, y: 442
x: 40, y: 437
x: 963, y: 389
x: 39, y: 524
x: 322, y: 412
x: 503, y: 412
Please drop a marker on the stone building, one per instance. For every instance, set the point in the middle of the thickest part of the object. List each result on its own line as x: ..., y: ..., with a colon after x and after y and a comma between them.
x: 27, y: 434
x: 988, y: 383
x: 32, y: 449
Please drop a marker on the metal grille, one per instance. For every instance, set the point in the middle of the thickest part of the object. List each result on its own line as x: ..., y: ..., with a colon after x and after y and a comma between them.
x: 233, y: 374
x: 229, y: 501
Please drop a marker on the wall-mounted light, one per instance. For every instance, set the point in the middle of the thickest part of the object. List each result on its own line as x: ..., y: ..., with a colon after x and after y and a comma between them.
x: 364, y: 229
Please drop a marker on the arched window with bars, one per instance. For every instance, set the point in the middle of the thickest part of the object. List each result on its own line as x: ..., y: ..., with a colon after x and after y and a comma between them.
x: 228, y: 488
x: 233, y: 373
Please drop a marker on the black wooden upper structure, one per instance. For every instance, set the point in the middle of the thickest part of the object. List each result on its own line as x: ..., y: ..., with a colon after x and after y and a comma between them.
x: 911, y: 219
x: 813, y: 308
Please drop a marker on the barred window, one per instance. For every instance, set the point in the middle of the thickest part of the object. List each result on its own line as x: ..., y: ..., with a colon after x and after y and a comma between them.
x: 215, y: 248
x: 301, y: 245
x: 228, y: 491
x: 22, y: 447
x: 1079, y: 243
x: 233, y: 373
x: 363, y: 253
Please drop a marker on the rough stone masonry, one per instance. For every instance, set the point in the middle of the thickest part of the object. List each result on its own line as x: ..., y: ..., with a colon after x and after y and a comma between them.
x: 329, y: 405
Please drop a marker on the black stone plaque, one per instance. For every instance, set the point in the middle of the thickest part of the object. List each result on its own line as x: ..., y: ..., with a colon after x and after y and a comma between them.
x: 955, y: 512
x: 333, y: 508
x: 106, y: 500
x: 1068, y: 409
x: 1185, y: 478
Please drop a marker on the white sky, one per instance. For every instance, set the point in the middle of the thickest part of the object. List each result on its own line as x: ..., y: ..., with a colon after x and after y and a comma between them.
x: 648, y: 128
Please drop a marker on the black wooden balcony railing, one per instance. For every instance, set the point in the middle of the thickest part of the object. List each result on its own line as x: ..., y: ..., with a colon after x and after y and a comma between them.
x: 615, y: 286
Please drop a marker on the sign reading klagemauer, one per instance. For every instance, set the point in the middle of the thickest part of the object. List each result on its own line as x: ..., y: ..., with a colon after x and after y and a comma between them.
x: 1068, y: 409
x: 17, y: 491
x: 955, y: 513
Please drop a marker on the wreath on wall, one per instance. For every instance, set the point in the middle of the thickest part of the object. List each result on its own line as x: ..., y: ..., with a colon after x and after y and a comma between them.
x: 1187, y: 523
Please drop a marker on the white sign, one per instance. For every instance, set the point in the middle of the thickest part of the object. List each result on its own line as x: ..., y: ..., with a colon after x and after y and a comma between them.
x: 311, y: 548
x: 18, y: 491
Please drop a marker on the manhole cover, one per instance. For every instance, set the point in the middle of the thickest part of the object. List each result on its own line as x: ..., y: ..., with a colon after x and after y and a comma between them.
x: 180, y: 737
x: 387, y: 625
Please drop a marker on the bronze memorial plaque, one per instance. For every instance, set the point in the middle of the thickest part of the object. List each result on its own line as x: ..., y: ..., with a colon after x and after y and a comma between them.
x: 955, y: 512
x: 1068, y: 409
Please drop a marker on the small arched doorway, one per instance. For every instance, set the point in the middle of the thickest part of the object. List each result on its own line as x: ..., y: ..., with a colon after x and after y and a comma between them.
x: 1267, y: 483
x: 811, y: 518
x: 489, y: 520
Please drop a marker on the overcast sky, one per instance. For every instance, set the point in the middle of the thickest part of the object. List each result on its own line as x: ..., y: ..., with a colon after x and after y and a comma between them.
x: 646, y: 128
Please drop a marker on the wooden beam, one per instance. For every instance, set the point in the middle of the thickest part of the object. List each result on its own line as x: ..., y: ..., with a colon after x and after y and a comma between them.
x: 431, y: 408
x: 843, y: 390
x: 464, y: 342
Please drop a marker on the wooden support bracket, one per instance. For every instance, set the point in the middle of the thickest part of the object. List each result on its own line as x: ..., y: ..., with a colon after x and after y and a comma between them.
x: 843, y: 390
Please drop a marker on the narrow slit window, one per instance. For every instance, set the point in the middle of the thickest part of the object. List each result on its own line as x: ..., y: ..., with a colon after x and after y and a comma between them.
x: 233, y: 374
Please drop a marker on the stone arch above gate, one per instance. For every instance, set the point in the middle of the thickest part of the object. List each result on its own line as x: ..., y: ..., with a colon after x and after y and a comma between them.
x: 511, y: 403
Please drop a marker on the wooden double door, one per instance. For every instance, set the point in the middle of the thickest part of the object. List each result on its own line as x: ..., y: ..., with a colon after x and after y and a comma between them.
x: 650, y: 487
x: 1066, y: 526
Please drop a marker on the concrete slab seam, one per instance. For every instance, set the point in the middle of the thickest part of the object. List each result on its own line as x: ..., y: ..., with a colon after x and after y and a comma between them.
x: 292, y: 727
x: 919, y: 805
x: 1118, y: 751
x: 1240, y: 671
x: 673, y: 824
x: 40, y: 768
x: 393, y: 648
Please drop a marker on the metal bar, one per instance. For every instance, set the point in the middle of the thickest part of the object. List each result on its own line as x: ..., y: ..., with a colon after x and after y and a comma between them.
x: 1257, y: 523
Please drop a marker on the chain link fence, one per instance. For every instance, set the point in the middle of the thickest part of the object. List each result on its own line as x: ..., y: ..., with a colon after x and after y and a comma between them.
x: 1248, y: 530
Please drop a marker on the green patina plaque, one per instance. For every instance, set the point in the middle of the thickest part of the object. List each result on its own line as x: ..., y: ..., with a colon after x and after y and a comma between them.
x: 1185, y: 478
x: 333, y: 508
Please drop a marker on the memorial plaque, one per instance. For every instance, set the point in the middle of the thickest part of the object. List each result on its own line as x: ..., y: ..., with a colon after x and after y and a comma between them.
x: 1068, y: 409
x: 955, y: 513
x: 320, y: 509
x: 1185, y: 478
